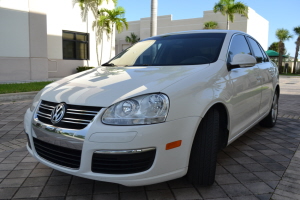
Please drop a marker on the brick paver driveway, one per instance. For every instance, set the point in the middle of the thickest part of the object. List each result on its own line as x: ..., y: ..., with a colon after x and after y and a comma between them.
x: 262, y: 164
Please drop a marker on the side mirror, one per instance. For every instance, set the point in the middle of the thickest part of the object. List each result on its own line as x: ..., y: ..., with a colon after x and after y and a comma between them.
x: 242, y: 60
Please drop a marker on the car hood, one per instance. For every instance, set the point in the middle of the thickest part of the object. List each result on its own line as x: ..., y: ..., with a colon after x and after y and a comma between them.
x: 104, y: 86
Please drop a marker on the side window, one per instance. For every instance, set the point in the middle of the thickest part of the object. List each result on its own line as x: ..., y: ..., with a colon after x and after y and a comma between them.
x: 266, y: 58
x: 238, y: 45
x: 256, y: 50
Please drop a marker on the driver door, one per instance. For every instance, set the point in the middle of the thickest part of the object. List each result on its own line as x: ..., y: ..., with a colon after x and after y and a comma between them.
x: 246, y: 89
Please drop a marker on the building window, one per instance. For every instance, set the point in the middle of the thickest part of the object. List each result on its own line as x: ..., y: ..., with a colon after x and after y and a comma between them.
x: 75, y: 45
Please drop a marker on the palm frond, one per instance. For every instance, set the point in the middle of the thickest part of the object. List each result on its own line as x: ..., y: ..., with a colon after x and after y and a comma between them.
x: 115, y: 17
x: 231, y: 17
x: 240, y: 8
x: 297, y: 30
x: 230, y: 7
x: 219, y: 7
x: 128, y: 39
x: 210, y: 25
x: 283, y: 34
x: 133, y: 38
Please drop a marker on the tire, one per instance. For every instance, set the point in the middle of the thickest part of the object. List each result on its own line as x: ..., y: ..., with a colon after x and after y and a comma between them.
x: 270, y: 120
x: 203, y: 158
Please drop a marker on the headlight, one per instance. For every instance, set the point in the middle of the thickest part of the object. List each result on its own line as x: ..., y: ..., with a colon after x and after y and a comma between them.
x: 145, y: 109
x: 36, y: 100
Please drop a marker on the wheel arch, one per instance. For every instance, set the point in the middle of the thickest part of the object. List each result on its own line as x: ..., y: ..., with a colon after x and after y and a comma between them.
x: 211, y: 141
x: 277, y: 89
x: 224, y: 123
x: 224, y: 119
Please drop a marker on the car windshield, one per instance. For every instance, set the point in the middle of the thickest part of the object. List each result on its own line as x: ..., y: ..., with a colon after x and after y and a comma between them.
x: 182, y: 49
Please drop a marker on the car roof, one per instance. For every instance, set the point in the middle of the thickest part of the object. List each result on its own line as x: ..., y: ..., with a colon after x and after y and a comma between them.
x: 229, y: 32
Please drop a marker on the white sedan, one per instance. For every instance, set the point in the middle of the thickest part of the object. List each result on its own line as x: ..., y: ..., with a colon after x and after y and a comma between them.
x: 159, y: 110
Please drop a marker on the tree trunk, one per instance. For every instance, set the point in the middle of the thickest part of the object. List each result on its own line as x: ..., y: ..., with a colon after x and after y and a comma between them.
x: 280, y: 55
x: 153, y: 22
x: 296, y: 54
x: 111, y: 40
x: 227, y: 22
x: 101, y: 47
x: 97, y: 34
x: 97, y: 42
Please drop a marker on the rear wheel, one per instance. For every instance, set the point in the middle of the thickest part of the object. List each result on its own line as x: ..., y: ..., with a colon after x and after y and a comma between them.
x: 270, y: 120
x: 203, y: 158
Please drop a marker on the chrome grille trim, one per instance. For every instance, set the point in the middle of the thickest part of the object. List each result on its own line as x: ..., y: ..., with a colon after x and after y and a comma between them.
x: 40, y: 114
x: 124, y: 151
x: 44, y: 105
x: 74, y: 122
x: 64, y: 137
x: 76, y: 117
x: 80, y: 120
x: 44, y: 117
x: 75, y: 113
x: 84, y: 111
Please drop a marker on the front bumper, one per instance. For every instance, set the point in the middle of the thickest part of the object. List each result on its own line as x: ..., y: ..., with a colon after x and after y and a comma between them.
x: 167, y: 164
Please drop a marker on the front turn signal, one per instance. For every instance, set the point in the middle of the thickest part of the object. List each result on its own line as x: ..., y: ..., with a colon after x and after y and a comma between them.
x: 173, y: 145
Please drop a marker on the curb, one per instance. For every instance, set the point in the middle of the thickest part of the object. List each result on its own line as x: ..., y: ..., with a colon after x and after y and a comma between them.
x: 17, y: 96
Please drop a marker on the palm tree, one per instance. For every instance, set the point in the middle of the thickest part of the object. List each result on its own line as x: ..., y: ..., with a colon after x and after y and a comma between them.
x: 210, y: 25
x: 103, y: 24
x: 114, y: 18
x: 282, y: 35
x: 229, y: 7
x: 93, y: 5
x: 133, y: 38
x: 297, y: 32
x: 274, y: 47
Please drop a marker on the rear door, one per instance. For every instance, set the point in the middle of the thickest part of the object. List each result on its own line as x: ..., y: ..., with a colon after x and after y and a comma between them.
x: 246, y: 86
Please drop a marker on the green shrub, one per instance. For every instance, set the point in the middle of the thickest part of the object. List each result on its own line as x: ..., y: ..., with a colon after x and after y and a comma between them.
x: 83, y: 68
x: 281, y: 69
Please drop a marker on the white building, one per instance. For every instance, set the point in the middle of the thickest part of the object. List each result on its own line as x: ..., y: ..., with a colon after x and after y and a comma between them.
x: 43, y: 39
x: 255, y: 25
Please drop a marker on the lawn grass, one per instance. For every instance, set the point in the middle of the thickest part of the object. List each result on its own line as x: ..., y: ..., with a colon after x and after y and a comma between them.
x: 22, y: 87
x: 290, y: 74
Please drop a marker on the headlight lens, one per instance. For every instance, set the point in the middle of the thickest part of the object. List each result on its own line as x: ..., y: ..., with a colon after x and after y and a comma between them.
x: 36, y: 100
x: 145, y: 109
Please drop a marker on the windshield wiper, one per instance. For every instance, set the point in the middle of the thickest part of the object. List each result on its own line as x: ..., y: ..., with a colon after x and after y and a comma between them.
x: 108, y: 64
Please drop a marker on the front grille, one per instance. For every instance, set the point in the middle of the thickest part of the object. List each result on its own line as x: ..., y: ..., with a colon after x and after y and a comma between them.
x: 76, y: 117
x: 122, y: 163
x: 59, y: 155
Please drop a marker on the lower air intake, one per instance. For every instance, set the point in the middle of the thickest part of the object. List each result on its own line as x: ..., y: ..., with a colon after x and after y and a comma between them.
x: 56, y: 154
x: 122, y: 163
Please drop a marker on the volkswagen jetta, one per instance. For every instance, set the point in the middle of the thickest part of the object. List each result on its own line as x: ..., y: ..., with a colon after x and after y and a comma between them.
x: 159, y: 110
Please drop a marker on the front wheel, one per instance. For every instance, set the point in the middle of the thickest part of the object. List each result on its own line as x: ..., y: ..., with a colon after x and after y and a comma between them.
x: 270, y: 120
x: 203, y: 158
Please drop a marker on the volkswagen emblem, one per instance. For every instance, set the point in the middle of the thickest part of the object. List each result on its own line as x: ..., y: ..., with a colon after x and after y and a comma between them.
x: 58, y: 113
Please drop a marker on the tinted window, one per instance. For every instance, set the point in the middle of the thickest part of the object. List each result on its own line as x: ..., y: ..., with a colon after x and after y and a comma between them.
x: 256, y: 50
x: 183, y: 49
x: 75, y: 45
x: 238, y: 45
x: 266, y: 58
